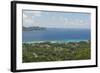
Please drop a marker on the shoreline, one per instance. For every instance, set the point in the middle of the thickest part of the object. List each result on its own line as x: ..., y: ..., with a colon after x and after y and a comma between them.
x: 66, y: 41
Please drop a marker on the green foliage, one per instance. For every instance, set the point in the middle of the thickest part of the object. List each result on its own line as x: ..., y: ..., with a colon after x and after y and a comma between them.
x: 47, y: 51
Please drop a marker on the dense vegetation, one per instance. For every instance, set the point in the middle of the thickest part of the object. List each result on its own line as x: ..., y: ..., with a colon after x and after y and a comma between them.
x: 47, y: 51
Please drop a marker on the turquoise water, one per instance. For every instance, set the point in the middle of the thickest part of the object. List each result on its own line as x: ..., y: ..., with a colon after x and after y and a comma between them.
x: 56, y: 34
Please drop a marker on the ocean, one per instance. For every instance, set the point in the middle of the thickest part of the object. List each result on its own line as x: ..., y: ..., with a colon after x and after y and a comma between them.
x: 56, y: 34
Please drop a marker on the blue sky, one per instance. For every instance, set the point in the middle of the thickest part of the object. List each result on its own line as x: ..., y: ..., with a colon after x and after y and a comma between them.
x: 53, y: 19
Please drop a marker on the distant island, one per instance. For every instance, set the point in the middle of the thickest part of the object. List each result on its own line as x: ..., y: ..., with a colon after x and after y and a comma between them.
x: 32, y: 28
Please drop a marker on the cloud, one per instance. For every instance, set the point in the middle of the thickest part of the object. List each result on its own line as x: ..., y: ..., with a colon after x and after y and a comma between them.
x: 55, y: 20
x: 28, y: 17
x: 24, y: 16
x: 76, y: 23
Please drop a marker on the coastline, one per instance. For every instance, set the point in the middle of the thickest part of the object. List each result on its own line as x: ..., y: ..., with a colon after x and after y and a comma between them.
x: 66, y: 41
x: 43, y: 51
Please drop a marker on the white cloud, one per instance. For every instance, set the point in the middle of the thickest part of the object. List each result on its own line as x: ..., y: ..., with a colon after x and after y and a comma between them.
x: 76, y: 23
x: 24, y: 16
x: 28, y: 17
x: 37, y: 18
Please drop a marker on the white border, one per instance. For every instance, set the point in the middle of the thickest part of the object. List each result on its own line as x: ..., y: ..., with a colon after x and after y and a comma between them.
x: 21, y: 65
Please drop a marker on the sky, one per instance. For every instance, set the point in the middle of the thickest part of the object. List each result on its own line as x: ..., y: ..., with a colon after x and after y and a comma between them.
x: 52, y: 19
